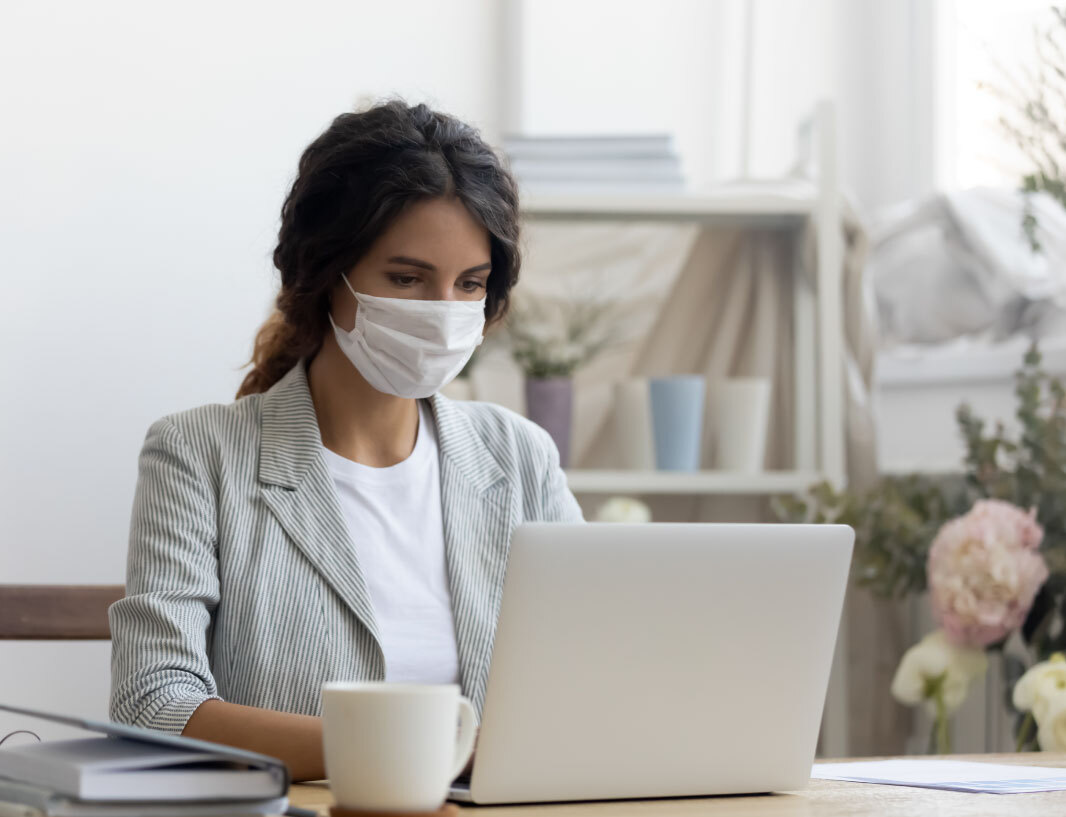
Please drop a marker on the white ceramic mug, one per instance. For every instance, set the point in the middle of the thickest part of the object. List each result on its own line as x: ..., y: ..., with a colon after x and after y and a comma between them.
x: 394, y: 747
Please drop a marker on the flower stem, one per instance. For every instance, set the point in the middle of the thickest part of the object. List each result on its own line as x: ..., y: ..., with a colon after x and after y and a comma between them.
x: 943, y: 737
x: 1023, y: 733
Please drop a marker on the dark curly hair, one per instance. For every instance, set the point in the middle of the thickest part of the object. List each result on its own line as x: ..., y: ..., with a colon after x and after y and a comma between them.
x: 352, y: 183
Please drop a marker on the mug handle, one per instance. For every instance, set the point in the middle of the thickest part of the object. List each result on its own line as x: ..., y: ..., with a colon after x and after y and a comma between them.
x: 464, y: 743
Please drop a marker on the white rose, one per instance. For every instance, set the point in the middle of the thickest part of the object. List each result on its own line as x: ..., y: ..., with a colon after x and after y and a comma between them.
x: 932, y: 657
x: 623, y: 509
x: 1042, y: 691
x: 1051, y: 723
x: 1040, y: 683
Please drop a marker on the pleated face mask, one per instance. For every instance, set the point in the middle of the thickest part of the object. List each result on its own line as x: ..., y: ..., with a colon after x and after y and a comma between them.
x: 408, y: 347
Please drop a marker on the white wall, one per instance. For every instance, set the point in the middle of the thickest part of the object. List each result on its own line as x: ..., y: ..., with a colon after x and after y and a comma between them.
x: 144, y: 158
x: 629, y: 66
x: 678, y: 66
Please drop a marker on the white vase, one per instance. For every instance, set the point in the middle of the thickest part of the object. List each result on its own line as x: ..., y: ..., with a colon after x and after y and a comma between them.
x: 740, y: 416
x: 631, y: 433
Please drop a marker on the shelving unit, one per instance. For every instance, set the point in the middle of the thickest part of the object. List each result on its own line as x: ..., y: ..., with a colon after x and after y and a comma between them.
x: 819, y: 407
x: 700, y: 482
x: 787, y: 204
x: 784, y: 203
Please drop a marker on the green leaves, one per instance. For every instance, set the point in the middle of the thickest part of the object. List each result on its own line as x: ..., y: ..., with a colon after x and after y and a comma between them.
x: 896, y: 521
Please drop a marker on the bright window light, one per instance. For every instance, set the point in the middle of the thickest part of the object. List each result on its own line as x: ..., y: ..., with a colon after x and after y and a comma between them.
x: 982, y: 44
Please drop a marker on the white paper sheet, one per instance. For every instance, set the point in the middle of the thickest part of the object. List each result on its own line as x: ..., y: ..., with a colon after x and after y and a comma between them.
x: 953, y: 775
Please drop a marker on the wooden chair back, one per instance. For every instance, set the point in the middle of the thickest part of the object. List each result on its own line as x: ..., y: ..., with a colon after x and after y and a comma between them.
x: 41, y: 612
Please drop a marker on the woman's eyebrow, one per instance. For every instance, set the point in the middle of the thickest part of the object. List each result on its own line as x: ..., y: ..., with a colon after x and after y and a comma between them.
x: 414, y: 262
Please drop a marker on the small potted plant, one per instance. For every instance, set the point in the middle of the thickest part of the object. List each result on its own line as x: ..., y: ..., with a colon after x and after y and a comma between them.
x: 550, y: 342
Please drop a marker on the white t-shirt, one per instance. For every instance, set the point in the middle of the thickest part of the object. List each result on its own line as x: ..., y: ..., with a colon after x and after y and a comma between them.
x: 394, y: 516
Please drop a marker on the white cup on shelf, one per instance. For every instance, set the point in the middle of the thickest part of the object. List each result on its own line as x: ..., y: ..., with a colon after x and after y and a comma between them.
x: 631, y: 431
x: 740, y: 409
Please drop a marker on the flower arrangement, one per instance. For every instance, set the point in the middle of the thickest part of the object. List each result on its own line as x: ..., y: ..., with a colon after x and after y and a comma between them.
x: 984, y: 571
x: 550, y: 337
x: 989, y: 546
x: 554, y: 340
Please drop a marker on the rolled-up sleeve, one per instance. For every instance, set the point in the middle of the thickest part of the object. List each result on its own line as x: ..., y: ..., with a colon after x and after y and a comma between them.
x: 159, y: 666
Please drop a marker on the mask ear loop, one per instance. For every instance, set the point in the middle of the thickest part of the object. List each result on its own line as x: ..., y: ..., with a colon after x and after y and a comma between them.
x: 348, y: 284
x: 351, y: 289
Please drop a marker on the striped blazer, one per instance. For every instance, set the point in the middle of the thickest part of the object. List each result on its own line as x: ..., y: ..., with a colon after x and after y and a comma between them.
x: 243, y: 582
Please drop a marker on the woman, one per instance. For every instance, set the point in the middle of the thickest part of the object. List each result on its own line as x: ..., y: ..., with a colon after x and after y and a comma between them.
x: 340, y: 519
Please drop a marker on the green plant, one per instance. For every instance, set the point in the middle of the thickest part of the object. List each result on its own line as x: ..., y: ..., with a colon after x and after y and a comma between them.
x: 896, y: 520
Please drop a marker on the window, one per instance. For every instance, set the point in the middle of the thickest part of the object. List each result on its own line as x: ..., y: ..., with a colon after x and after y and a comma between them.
x: 982, y: 43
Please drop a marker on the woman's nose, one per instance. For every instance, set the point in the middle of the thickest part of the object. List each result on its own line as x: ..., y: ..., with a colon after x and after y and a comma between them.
x: 442, y: 291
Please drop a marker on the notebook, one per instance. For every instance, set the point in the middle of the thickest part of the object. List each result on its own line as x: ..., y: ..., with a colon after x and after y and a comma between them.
x: 23, y: 800
x: 130, y: 764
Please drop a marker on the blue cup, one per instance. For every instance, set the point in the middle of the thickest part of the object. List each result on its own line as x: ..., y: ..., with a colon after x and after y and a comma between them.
x: 677, y: 419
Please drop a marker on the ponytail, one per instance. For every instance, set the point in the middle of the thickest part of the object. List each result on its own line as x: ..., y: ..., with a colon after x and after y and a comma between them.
x: 276, y: 351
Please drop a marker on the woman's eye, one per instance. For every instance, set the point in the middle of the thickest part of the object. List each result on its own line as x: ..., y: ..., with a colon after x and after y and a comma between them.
x: 404, y: 280
x: 472, y: 286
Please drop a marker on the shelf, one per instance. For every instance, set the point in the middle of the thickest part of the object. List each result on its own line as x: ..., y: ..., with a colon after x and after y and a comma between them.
x: 785, y: 202
x: 695, y: 482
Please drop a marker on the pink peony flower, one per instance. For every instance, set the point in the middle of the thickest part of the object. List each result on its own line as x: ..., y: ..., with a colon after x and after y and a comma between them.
x: 984, y: 571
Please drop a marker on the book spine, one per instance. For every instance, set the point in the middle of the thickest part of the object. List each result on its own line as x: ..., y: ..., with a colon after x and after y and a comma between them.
x: 598, y: 169
x: 618, y: 149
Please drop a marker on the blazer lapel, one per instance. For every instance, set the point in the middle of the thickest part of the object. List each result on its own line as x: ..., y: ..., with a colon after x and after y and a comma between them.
x: 479, y: 515
x: 297, y: 487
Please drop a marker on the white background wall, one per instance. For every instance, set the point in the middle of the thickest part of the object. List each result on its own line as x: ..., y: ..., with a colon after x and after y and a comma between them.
x: 144, y: 163
x: 144, y: 155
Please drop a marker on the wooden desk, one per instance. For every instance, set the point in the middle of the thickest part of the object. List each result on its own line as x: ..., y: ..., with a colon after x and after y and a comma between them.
x: 824, y: 798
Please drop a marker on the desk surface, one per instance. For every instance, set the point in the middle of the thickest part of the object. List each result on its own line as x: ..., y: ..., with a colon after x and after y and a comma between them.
x: 824, y: 798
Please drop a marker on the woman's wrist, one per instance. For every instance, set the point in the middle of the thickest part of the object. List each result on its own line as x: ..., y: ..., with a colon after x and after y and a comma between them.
x: 296, y: 740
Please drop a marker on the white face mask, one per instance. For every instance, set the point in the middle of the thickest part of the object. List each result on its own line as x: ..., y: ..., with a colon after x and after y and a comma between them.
x: 408, y: 347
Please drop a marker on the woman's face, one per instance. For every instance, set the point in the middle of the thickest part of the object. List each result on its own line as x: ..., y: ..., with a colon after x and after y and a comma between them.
x: 434, y: 251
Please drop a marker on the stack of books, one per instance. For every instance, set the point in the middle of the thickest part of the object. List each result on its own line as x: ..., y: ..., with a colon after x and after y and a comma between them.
x: 555, y: 164
x: 131, y: 771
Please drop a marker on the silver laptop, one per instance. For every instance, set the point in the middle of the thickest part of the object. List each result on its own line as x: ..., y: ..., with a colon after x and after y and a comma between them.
x: 660, y: 660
